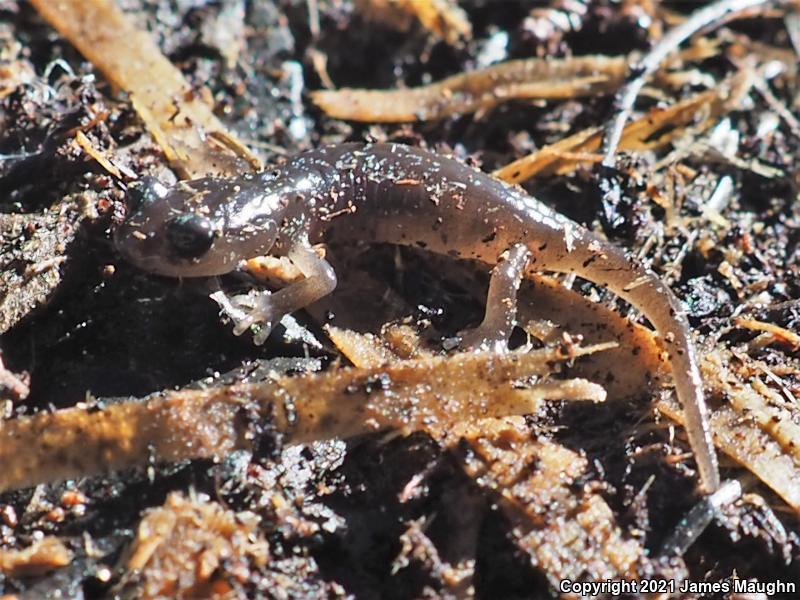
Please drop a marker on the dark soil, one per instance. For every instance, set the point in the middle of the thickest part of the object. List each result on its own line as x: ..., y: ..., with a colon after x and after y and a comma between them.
x: 95, y: 327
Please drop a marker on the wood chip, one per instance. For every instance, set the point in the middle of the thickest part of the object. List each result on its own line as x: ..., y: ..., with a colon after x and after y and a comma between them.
x: 190, y: 547
x: 364, y: 350
x: 84, y: 144
x: 40, y: 557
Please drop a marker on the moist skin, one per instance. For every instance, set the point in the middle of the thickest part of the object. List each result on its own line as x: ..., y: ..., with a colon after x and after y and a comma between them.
x: 402, y: 195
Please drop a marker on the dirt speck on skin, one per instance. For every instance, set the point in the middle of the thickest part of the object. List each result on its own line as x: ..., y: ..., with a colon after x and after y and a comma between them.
x: 381, y: 515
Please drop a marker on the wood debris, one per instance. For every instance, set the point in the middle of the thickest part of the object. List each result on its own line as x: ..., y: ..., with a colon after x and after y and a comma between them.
x: 568, y: 533
x: 193, y: 547
x: 713, y: 15
x: 40, y: 557
x: 441, y: 18
x: 429, y: 394
x: 755, y: 426
x: 656, y: 129
x: 13, y: 385
x: 86, y: 145
x: 364, y: 350
x: 480, y: 90
x: 273, y: 269
x: 179, y: 117
x: 418, y: 547
x: 778, y: 334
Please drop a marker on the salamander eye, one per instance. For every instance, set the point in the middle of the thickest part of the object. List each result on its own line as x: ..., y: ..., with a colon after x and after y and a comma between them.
x: 190, y: 236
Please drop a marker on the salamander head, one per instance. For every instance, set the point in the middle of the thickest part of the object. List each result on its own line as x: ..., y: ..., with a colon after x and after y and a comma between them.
x: 198, y: 228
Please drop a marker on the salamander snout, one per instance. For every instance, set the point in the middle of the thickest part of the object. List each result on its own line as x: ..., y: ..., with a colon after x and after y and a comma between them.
x: 198, y: 228
x: 166, y: 232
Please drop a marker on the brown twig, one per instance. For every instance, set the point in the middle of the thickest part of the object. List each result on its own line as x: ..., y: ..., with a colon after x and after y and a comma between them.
x: 481, y: 90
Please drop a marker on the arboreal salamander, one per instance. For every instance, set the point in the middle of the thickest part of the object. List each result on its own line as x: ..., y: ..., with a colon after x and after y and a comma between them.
x: 403, y: 195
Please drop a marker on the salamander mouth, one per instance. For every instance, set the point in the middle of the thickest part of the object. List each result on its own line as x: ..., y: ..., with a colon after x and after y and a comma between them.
x: 152, y: 254
x: 179, y: 268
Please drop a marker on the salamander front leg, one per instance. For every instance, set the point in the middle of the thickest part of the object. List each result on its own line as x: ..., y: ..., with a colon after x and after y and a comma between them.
x: 267, y: 309
x: 501, y: 304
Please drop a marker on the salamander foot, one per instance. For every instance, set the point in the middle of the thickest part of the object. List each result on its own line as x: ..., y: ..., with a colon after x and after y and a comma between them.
x: 265, y: 309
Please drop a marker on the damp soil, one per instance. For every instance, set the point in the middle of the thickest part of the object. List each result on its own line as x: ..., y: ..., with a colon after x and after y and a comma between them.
x: 79, y: 324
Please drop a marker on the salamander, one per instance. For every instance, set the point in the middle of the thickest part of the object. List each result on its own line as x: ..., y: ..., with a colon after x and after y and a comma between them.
x: 402, y: 195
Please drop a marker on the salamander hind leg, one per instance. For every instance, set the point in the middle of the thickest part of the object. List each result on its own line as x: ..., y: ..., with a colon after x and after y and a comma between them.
x: 501, y: 303
x: 266, y: 309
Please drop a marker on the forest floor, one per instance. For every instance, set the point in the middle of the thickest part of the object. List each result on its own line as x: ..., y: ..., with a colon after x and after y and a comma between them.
x: 504, y: 507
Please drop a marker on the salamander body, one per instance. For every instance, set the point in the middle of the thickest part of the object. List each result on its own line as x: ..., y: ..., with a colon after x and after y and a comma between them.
x: 403, y: 195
